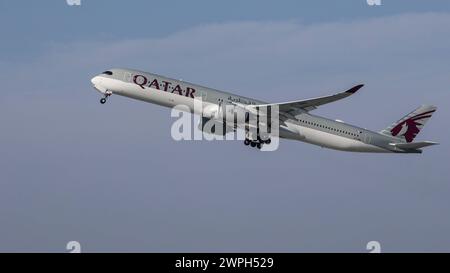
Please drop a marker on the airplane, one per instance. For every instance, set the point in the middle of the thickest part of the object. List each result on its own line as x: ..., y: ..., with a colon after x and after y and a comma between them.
x: 295, y: 119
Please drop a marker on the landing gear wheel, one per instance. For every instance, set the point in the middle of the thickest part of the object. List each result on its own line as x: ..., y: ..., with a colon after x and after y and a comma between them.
x: 106, y: 95
x: 246, y: 142
x: 268, y: 141
x: 259, y: 145
x: 253, y: 144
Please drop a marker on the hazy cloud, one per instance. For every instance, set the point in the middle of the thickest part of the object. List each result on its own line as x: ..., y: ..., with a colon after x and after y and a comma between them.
x: 111, y: 177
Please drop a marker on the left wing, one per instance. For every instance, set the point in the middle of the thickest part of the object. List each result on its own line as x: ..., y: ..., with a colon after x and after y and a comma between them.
x: 294, y: 107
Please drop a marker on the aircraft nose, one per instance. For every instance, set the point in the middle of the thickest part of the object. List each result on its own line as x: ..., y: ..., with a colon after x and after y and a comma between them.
x: 97, y: 83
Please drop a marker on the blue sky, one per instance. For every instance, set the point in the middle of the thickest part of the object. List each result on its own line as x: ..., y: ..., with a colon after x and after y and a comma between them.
x: 112, y: 178
x: 30, y: 25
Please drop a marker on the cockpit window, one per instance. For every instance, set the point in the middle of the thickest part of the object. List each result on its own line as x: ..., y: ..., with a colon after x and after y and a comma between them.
x: 107, y: 73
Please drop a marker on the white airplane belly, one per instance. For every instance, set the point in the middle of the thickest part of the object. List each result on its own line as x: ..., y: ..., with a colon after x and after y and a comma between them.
x: 332, y: 141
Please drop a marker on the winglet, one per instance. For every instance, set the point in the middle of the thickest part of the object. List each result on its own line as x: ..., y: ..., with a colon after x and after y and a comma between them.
x: 354, y: 89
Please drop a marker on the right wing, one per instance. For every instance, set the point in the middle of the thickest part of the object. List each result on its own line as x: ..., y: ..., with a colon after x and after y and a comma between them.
x: 293, y: 107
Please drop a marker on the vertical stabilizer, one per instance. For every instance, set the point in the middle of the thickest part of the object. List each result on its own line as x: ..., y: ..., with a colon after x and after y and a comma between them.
x: 407, y: 128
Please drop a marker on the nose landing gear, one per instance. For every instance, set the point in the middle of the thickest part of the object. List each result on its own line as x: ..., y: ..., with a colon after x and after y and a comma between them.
x: 107, y: 94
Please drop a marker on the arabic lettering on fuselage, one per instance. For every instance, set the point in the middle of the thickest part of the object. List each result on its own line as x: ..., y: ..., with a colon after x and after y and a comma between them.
x: 240, y: 100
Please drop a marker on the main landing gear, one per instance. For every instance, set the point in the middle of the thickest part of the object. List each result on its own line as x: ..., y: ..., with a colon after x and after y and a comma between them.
x: 103, y: 100
x: 256, y: 143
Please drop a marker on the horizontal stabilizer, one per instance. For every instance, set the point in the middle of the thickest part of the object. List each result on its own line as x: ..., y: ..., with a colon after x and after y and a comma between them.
x: 413, y: 145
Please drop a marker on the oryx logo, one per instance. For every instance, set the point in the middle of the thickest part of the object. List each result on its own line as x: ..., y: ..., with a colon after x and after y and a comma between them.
x: 410, y: 127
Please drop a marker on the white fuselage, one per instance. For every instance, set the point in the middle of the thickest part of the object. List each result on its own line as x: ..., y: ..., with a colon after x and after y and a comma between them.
x: 305, y: 127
